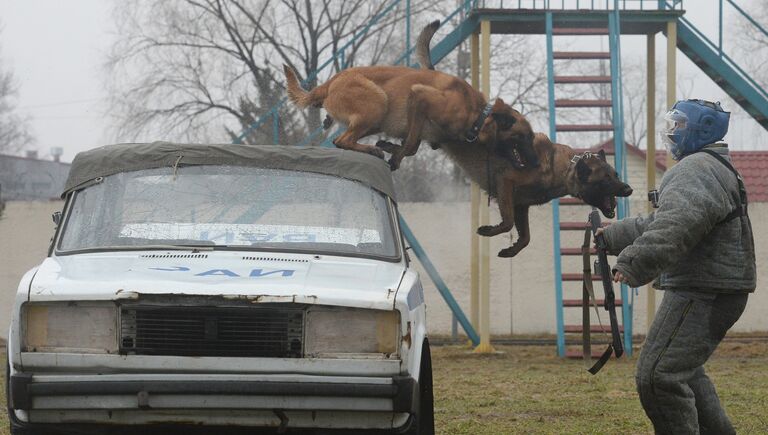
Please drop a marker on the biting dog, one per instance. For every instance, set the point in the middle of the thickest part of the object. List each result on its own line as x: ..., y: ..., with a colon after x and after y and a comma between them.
x: 412, y: 105
x: 562, y: 171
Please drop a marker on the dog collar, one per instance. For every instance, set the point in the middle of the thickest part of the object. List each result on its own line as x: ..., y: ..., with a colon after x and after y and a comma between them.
x: 575, y: 159
x: 471, y: 135
x: 585, y: 155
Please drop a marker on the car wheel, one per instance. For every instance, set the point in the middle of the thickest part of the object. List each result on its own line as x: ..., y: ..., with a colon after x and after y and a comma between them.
x: 424, y: 420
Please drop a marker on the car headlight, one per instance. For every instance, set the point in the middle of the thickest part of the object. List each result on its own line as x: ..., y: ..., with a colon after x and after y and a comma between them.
x: 77, y: 327
x: 351, y: 333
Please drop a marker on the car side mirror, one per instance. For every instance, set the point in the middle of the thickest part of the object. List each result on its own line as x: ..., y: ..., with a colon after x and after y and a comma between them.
x: 56, y: 216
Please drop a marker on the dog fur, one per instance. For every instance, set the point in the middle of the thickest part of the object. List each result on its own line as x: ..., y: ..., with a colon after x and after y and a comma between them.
x: 410, y: 104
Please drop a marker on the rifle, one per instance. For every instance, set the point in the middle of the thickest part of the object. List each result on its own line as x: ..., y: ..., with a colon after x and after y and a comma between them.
x: 604, y: 269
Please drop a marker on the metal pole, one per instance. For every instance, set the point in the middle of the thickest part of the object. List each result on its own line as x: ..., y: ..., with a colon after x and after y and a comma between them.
x: 408, y: 33
x: 485, y: 272
x: 720, y: 30
x: 275, y: 128
x: 438, y: 281
x: 474, y: 295
x: 555, y: 202
x: 671, y: 72
x: 650, y: 154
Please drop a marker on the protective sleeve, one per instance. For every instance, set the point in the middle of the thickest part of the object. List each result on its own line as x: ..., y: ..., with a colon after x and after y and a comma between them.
x: 621, y: 234
x: 692, y: 200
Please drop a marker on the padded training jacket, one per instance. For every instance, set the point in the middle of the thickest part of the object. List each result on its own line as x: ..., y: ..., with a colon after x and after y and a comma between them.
x: 685, y: 244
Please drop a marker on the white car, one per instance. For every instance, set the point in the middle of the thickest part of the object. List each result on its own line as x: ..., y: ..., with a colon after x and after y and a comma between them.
x: 222, y: 286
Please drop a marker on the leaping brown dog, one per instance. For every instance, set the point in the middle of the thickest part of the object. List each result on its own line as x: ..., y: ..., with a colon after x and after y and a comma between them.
x: 414, y: 105
x: 562, y: 172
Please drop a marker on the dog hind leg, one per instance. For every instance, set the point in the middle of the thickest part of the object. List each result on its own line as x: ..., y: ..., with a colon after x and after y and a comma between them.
x: 348, y: 139
x: 361, y: 104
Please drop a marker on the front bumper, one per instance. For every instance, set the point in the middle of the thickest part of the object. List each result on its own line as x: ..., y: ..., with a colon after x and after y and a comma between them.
x: 249, y: 400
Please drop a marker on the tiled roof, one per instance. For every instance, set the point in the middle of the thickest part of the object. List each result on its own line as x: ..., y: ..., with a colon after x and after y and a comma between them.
x: 752, y: 165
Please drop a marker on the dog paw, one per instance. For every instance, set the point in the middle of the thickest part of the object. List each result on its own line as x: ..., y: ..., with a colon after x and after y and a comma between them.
x: 376, y: 152
x: 394, y: 163
x: 510, y: 252
x: 486, y: 230
x: 327, y: 122
x: 387, y: 146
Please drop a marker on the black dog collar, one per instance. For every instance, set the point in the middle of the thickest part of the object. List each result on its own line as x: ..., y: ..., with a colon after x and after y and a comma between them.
x: 471, y: 135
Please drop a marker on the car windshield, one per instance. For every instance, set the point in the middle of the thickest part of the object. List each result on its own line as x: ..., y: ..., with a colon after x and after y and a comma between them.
x: 230, y: 207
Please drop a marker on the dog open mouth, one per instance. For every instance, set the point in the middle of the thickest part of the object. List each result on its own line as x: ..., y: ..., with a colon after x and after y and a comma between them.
x: 608, y: 207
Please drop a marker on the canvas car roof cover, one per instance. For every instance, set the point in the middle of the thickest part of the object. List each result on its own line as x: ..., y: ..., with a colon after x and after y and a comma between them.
x: 113, y: 159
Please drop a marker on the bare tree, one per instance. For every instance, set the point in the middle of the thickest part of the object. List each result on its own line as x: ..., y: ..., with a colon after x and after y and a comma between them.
x: 14, y: 127
x: 185, y: 68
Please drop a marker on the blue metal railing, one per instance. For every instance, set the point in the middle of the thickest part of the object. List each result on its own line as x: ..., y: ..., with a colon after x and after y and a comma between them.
x: 607, y: 5
x: 718, y: 47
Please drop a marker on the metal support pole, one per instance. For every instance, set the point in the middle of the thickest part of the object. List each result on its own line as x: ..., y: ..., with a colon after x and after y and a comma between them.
x: 555, y: 202
x: 408, y: 33
x: 485, y: 270
x: 650, y: 154
x: 671, y: 72
x: 474, y: 296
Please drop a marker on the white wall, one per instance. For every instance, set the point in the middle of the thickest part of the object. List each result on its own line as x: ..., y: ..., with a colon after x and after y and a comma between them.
x: 522, y: 289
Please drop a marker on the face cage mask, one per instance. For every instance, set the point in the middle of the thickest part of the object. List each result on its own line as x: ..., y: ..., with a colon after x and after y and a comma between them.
x: 676, y: 133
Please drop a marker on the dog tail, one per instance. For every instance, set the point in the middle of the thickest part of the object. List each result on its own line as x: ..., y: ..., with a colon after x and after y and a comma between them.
x: 299, y: 96
x: 422, y: 44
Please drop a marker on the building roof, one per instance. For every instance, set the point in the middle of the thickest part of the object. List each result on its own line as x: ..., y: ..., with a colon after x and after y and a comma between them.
x: 752, y: 165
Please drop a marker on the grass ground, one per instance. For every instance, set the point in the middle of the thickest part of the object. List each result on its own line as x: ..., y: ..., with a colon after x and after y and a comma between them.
x: 527, y: 390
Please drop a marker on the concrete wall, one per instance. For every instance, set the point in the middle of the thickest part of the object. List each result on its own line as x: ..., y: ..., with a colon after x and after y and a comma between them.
x: 25, y: 231
x: 523, y: 297
x: 523, y: 300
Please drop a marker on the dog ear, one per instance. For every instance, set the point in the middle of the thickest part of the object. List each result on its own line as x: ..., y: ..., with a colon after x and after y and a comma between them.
x: 504, y: 120
x: 583, y: 170
x: 601, y: 154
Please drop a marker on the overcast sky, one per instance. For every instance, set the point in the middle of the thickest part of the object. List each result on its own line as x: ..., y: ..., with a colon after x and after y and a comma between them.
x: 57, y: 48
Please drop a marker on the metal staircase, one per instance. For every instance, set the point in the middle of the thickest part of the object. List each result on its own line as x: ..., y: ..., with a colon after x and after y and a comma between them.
x: 563, y: 280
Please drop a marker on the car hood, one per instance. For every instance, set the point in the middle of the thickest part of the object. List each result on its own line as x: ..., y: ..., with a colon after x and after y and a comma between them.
x: 259, y: 277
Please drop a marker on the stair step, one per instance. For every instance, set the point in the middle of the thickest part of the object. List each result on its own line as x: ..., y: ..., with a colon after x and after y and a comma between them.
x: 581, y: 55
x: 577, y: 302
x: 580, y: 31
x: 571, y: 201
x: 582, y: 79
x: 584, y: 127
x: 578, y: 226
x: 575, y: 251
x: 582, y: 103
x: 578, y: 277
x: 578, y: 354
x: 574, y: 329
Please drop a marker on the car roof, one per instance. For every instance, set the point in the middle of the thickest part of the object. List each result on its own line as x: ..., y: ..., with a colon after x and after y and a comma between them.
x: 128, y: 157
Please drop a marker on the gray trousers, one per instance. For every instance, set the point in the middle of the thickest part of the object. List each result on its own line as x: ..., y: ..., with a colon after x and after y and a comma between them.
x: 675, y: 392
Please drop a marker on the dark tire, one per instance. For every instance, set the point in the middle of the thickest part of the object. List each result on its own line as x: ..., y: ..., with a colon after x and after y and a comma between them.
x: 423, y: 422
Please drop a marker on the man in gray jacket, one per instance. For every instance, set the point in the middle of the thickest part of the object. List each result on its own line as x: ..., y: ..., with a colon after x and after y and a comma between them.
x: 698, y: 246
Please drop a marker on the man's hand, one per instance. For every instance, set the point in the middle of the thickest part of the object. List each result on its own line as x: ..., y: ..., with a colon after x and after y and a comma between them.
x: 619, y: 277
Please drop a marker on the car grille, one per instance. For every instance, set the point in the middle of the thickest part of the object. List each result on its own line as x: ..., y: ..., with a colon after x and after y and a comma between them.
x: 212, y: 331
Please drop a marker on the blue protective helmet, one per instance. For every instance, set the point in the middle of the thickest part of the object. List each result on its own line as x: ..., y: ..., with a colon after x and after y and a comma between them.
x: 692, y: 124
